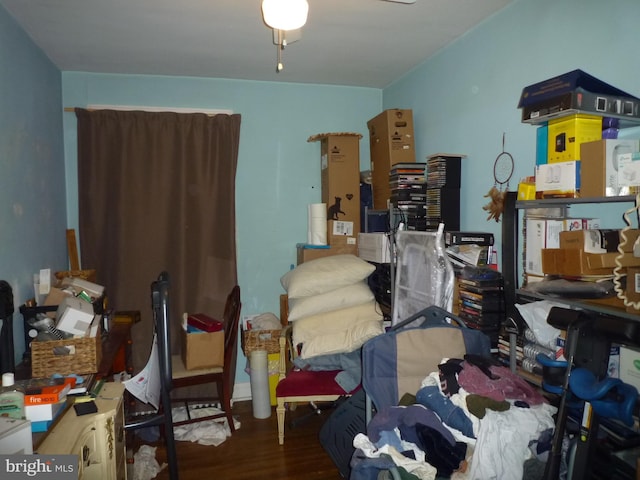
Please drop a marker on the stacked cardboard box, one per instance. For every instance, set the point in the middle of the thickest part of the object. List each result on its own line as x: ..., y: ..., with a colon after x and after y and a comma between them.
x: 391, y: 141
x: 340, y: 177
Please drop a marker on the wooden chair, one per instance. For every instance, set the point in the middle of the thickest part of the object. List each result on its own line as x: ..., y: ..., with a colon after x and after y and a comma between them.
x: 223, y: 376
x: 301, y: 386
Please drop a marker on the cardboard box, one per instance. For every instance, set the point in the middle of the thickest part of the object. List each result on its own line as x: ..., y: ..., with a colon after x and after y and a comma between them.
x: 598, y: 241
x: 629, y: 173
x: 574, y: 262
x: 306, y: 254
x: 598, y: 261
x: 535, y: 241
x: 566, y: 134
x: 574, y: 92
x: 391, y: 141
x: 630, y: 366
x: 74, y: 316
x: 340, y: 176
x: 599, y: 170
x: 546, y: 233
x: 571, y: 262
x: 558, y: 180
x: 202, y: 350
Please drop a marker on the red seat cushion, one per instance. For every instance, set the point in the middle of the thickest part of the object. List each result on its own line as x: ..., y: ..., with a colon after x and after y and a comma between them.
x: 308, y: 383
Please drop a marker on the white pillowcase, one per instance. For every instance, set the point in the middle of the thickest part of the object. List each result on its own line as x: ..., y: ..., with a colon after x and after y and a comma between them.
x: 325, y: 274
x: 338, y: 322
x: 344, y: 297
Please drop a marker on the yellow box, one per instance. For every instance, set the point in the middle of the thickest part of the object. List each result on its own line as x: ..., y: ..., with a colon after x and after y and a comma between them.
x: 526, y: 191
x: 566, y: 134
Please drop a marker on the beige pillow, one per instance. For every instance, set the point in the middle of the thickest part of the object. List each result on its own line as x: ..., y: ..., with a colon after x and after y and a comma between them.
x: 324, y: 275
x: 342, y: 342
x: 337, y: 321
x: 344, y: 297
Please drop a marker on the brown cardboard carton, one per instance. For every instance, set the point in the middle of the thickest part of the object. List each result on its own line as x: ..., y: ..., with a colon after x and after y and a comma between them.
x: 391, y: 141
x: 599, y: 170
x: 307, y: 254
x: 598, y: 241
x: 568, y: 261
x: 574, y: 262
x: 340, y: 177
x: 202, y: 350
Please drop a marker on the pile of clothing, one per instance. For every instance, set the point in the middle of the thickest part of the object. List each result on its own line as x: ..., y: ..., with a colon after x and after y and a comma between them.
x: 472, y: 419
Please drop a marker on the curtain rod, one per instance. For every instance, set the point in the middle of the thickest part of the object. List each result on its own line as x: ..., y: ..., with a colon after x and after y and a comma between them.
x: 92, y: 108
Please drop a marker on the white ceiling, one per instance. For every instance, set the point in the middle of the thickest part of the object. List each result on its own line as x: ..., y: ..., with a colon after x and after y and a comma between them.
x: 365, y: 43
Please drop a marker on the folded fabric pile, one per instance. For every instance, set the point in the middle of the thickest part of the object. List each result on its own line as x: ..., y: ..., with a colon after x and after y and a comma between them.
x: 331, y: 307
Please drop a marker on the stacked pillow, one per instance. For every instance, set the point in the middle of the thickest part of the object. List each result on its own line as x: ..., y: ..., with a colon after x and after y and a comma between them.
x: 331, y: 306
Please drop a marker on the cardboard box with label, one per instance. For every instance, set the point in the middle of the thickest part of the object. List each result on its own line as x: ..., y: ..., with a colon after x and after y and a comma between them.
x: 558, y: 180
x: 544, y: 233
x: 340, y: 177
x: 599, y: 240
x: 391, y: 141
x: 599, y: 170
x: 202, y: 349
x: 566, y: 134
x: 629, y: 173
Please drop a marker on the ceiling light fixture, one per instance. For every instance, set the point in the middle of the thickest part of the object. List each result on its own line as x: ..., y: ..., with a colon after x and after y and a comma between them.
x: 283, y: 16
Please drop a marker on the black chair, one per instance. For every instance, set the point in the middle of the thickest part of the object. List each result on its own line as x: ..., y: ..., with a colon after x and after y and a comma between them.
x: 160, y: 307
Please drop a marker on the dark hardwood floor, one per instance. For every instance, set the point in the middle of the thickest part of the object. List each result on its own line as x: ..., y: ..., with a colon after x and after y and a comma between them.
x: 253, y: 452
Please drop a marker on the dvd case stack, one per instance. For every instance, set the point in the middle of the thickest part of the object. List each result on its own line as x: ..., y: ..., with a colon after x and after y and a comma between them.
x: 443, y: 191
x: 408, y: 183
x: 481, y: 306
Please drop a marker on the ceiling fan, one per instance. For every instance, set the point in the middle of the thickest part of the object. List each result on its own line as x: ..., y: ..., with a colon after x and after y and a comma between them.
x: 286, y: 17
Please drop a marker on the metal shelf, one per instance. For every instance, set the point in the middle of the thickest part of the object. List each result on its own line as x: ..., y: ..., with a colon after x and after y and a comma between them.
x: 580, y: 304
x: 559, y: 202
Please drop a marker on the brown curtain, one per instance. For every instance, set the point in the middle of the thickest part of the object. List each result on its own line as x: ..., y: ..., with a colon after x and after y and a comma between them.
x: 157, y: 192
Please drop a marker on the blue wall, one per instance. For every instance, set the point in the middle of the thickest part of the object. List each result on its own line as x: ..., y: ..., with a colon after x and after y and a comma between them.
x: 278, y: 170
x: 32, y: 186
x: 463, y: 100
x: 465, y: 97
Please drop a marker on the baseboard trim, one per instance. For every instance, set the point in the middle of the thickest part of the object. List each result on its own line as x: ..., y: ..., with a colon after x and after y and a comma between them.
x: 242, y: 391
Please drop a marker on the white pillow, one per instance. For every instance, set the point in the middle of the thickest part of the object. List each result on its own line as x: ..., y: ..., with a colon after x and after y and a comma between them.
x: 325, y: 274
x: 342, y: 342
x: 337, y: 321
x: 344, y: 297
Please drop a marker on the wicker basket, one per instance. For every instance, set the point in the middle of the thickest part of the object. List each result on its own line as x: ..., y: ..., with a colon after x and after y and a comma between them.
x: 86, y: 356
x: 268, y: 340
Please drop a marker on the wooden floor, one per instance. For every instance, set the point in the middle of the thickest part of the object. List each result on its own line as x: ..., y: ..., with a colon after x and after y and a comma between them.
x: 253, y: 451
